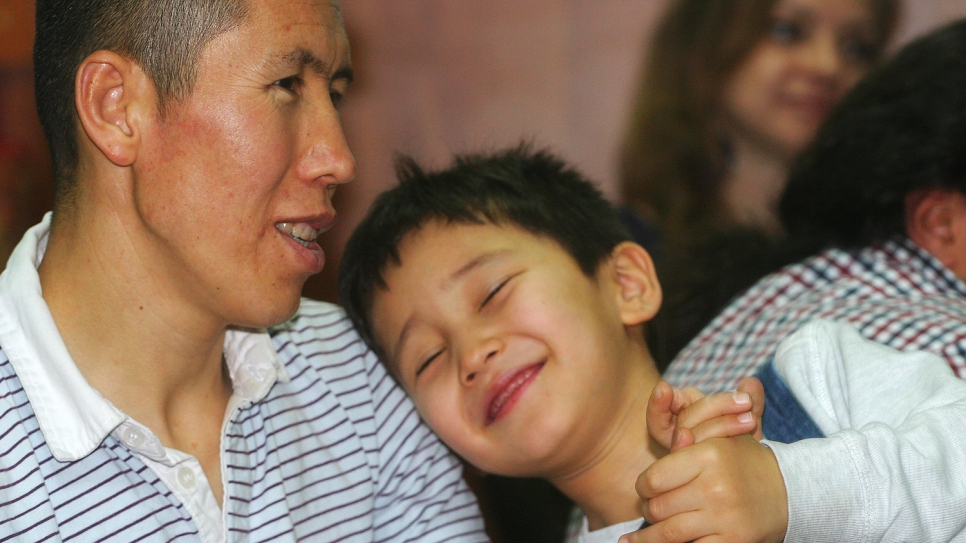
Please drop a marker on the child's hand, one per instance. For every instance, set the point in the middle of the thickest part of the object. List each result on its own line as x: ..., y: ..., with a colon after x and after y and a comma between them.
x: 678, y: 417
x: 719, y: 490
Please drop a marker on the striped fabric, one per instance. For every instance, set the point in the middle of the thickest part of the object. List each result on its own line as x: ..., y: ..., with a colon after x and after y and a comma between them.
x: 336, y: 454
x: 321, y: 445
x: 896, y: 294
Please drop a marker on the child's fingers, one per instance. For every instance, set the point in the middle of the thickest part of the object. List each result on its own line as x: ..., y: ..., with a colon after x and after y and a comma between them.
x: 678, y: 529
x: 660, y: 419
x: 683, y: 437
x: 683, y: 499
x: 725, y: 426
x: 684, y: 397
x: 668, y: 473
x: 756, y: 390
x: 712, y: 406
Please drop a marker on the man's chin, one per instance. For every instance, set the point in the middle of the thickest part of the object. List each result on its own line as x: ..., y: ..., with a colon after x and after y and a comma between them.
x: 272, y: 313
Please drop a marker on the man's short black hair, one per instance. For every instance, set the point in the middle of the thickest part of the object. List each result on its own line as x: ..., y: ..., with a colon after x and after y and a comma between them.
x: 165, y: 37
x: 901, y: 129
x: 532, y: 190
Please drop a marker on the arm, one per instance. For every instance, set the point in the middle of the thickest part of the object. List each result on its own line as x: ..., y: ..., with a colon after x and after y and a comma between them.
x: 893, y: 467
x: 699, y: 489
x: 894, y: 464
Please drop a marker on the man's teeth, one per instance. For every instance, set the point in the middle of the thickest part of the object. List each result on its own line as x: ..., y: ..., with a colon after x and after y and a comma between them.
x: 300, y: 232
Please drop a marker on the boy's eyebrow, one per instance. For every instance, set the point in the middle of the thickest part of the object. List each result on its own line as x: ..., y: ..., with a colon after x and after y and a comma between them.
x: 472, y: 265
x: 447, y: 284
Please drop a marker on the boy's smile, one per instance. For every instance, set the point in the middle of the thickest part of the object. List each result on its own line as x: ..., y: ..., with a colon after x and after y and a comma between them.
x: 519, y: 360
x: 508, y: 388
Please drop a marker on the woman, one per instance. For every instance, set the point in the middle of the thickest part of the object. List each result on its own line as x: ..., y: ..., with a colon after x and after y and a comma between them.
x: 733, y: 91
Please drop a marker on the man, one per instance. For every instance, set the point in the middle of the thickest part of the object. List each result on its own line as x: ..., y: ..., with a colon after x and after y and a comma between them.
x: 144, y: 394
x: 881, y: 198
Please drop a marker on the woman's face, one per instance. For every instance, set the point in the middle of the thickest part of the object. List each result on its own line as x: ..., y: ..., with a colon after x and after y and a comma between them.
x: 812, y: 54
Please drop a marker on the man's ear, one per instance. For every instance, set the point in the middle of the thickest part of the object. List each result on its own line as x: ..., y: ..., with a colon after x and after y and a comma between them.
x: 936, y: 221
x: 113, y: 96
x: 638, y: 290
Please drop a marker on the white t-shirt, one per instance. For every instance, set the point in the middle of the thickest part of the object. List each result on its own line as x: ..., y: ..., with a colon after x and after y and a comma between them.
x: 893, y: 467
x: 608, y: 534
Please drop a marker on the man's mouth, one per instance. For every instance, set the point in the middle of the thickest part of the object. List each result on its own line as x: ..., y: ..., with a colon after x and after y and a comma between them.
x: 507, y: 389
x: 301, y: 232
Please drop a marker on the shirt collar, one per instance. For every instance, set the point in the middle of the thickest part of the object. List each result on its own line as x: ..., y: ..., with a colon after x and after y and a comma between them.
x: 74, y: 417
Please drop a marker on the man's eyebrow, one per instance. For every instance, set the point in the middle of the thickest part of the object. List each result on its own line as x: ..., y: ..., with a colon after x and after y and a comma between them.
x: 303, y: 57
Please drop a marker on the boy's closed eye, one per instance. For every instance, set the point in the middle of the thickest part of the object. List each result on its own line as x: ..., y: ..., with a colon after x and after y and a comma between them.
x: 422, y: 367
x: 497, y: 289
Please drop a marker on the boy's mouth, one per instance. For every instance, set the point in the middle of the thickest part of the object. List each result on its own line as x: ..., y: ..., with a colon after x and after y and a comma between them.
x: 507, y: 389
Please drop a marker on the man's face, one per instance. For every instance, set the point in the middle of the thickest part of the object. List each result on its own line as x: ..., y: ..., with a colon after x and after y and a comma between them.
x: 511, y: 354
x: 235, y: 183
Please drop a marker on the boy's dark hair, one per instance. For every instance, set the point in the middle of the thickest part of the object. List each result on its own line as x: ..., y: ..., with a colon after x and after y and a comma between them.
x: 165, y: 37
x: 532, y: 190
x: 901, y: 129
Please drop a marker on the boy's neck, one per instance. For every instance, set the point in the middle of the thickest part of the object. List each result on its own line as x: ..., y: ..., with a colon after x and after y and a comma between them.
x: 603, y: 485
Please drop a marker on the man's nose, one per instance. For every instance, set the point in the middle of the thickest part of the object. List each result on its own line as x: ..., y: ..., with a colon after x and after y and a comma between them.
x: 475, y: 361
x: 325, y: 156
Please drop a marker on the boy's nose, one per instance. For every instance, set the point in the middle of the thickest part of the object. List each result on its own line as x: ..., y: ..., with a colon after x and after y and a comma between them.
x: 477, y: 359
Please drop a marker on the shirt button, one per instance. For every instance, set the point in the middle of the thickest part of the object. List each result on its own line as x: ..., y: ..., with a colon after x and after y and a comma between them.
x: 186, y: 477
x: 133, y: 437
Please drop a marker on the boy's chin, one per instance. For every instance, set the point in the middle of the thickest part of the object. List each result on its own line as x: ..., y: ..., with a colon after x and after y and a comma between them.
x: 517, y: 465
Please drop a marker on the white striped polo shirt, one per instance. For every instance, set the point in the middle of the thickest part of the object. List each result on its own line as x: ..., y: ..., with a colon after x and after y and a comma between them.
x: 321, y: 445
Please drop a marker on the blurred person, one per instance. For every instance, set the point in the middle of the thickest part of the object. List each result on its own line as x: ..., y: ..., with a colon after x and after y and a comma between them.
x: 160, y: 377
x: 875, y: 215
x: 732, y: 92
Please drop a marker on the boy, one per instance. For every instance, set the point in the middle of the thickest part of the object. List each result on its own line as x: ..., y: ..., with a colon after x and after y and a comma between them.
x: 505, y: 298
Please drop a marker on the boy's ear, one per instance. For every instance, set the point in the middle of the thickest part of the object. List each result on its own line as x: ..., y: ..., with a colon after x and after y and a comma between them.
x: 936, y: 221
x: 113, y: 96
x: 638, y: 292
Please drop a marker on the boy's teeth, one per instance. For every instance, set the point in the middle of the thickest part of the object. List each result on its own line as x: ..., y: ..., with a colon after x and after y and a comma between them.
x: 300, y: 232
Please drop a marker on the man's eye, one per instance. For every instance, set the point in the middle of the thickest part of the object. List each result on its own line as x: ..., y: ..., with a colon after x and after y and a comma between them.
x: 428, y: 361
x: 337, y: 98
x: 291, y: 84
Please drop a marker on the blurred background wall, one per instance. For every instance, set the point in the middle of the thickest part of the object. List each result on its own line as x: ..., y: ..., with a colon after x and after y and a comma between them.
x: 434, y: 77
x: 25, y: 173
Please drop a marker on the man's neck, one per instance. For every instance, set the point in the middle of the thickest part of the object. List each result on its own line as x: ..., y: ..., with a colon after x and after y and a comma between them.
x: 603, y: 484
x: 135, y: 341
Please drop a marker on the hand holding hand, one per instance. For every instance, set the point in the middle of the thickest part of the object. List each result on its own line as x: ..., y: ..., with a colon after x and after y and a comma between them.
x: 678, y: 417
x: 717, y: 490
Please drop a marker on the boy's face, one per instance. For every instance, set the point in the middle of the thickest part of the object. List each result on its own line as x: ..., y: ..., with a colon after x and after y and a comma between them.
x: 517, y: 359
